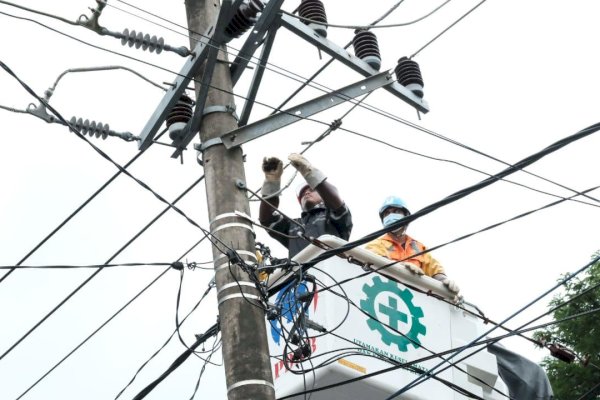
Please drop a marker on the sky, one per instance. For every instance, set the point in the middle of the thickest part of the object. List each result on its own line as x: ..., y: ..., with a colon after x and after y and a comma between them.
x: 507, y: 81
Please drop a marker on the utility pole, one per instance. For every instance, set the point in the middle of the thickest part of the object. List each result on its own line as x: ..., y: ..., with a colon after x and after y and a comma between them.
x: 242, y: 320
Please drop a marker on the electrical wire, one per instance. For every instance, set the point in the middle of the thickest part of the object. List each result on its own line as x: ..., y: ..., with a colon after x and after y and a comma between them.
x: 206, y: 292
x: 88, y: 279
x: 104, y: 323
x: 411, y: 340
x: 371, y: 26
x: 460, y: 194
x: 410, y: 363
x: 76, y: 211
x: 13, y: 110
x: 448, y: 28
x: 178, y: 361
x: 105, y: 68
x: 437, y: 368
x: 487, y: 228
x: 157, y: 264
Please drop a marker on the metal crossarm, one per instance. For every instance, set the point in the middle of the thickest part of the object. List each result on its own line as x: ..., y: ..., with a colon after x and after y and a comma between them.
x: 257, y: 129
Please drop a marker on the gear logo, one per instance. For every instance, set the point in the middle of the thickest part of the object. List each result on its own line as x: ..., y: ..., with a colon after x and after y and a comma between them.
x: 383, y: 302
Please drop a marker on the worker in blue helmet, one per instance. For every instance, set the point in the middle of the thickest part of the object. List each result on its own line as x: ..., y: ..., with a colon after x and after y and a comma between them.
x: 323, y: 210
x: 397, y: 245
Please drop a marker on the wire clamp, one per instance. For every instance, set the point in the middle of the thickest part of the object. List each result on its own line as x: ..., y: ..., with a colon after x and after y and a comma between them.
x: 229, y: 109
x: 207, y: 143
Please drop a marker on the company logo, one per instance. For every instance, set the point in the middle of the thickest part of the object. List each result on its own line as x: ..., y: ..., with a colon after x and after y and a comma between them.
x: 390, y: 304
x: 290, y: 307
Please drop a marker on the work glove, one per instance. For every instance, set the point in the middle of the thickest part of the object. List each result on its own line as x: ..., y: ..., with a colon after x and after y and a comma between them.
x: 451, y: 285
x: 273, y: 169
x: 412, y: 268
x: 312, y: 175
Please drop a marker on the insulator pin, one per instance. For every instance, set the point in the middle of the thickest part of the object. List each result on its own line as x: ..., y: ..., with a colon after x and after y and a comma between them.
x: 367, y: 49
x: 91, y: 128
x: 315, y: 11
x: 146, y: 42
x: 243, y: 19
x: 179, y: 116
x: 408, y: 74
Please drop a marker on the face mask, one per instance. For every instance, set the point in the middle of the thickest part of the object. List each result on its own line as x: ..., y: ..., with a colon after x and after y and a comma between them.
x: 391, y: 218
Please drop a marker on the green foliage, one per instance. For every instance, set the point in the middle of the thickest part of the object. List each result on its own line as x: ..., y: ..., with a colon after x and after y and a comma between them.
x: 582, y: 335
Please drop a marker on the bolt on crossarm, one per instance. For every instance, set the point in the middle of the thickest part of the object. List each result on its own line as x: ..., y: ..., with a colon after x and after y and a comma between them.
x: 244, y: 334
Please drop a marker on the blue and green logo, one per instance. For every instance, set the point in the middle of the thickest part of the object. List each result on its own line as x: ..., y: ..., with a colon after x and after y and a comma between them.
x: 387, y: 303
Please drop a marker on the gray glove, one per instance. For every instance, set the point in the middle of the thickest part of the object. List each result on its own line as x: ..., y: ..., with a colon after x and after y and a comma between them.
x: 312, y: 175
x: 273, y: 169
x: 451, y: 285
x: 412, y: 268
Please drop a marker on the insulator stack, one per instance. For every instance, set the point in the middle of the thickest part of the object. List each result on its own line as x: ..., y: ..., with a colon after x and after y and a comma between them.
x: 91, y: 128
x: 315, y: 12
x: 243, y: 19
x: 408, y: 74
x: 146, y: 42
x: 367, y: 49
x: 179, y: 116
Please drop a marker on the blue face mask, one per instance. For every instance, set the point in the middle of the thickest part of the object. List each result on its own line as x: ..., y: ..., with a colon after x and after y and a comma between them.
x: 391, y: 218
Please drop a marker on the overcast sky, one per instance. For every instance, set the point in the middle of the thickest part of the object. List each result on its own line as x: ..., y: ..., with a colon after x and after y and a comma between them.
x: 508, y: 80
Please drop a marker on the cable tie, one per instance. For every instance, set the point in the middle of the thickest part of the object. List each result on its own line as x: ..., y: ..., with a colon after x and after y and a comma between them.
x: 178, y: 265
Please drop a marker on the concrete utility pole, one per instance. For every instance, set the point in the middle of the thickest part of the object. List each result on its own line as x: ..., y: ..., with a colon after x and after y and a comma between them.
x: 243, y: 331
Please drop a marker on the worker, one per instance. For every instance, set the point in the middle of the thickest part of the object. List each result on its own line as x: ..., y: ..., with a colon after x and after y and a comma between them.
x: 323, y: 211
x: 397, y: 245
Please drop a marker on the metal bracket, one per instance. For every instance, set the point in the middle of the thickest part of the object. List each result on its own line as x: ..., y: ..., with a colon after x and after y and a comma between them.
x: 225, y: 15
x: 229, y: 109
x: 190, y: 68
x: 257, y: 129
x: 255, y: 38
x: 40, y: 112
x: 207, y: 143
x: 340, y: 54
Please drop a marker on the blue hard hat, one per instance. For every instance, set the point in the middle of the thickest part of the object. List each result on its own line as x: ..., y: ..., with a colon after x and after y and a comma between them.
x: 393, y: 201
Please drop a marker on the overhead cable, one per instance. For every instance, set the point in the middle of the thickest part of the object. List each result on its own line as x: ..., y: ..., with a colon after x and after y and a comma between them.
x: 92, y: 276
x: 107, y: 321
x: 370, y: 26
x: 448, y: 28
x: 460, y: 194
x: 178, y: 361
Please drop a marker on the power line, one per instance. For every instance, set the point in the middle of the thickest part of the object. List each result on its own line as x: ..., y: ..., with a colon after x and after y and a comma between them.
x: 453, y: 197
x: 107, y: 322
x: 434, y: 370
x: 426, y: 358
x: 448, y: 28
x: 87, y: 280
x: 487, y: 228
x: 370, y: 26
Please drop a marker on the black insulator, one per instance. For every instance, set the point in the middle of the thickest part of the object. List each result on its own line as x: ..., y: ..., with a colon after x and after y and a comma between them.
x: 179, y: 116
x: 315, y: 12
x: 243, y: 19
x: 367, y: 49
x: 408, y: 74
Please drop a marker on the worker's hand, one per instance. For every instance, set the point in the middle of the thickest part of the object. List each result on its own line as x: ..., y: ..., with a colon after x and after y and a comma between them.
x: 451, y: 285
x: 300, y: 163
x: 412, y: 268
x: 273, y: 169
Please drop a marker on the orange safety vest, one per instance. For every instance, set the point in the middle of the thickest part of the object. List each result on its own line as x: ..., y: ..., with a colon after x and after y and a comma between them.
x: 387, y: 246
